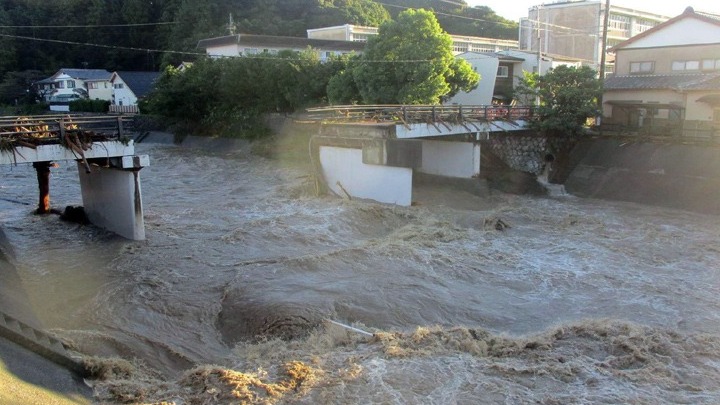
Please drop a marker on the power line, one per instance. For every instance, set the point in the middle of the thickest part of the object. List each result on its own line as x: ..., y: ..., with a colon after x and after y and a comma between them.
x: 511, y: 24
x: 205, y: 54
x: 127, y: 48
x: 90, y: 26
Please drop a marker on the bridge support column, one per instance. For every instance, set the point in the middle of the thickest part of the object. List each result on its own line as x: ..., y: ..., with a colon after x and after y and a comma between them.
x: 43, y: 178
x: 112, y: 196
x: 450, y: 159
x: 347, y: 176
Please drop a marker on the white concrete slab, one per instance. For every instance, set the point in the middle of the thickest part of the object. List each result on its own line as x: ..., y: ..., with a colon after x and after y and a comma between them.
x: 345, y: 173
x: 427, y: 130
x: 53, y: 153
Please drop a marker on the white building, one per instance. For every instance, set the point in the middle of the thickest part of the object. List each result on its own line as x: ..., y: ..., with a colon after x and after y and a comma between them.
x: 574, y: 29
x: 461, y: 44
x: 74, y: 84
x: 246, y: 44
x: 129, y: 88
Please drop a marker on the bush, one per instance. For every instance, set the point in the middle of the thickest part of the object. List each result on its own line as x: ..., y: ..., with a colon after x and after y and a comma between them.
x: 94, y: 106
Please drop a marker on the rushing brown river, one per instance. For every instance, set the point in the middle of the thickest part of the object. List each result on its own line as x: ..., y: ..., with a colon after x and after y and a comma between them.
x: 497, y: 299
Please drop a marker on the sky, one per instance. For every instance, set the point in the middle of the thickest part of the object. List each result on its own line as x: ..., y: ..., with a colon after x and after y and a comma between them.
x: 515, y: 9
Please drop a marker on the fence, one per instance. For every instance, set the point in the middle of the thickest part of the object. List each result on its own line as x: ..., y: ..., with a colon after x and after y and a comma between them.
x: 124, y: 109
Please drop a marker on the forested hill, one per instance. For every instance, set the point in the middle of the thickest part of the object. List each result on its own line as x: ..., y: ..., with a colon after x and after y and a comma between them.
x: 42, y: 36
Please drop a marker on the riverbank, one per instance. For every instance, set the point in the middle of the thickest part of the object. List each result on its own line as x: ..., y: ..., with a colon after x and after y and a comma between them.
x: 25, y: 377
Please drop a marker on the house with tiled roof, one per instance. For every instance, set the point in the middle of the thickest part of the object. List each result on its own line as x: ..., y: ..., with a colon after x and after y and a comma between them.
x: 69, y: 84
x: 667, y: 79
x: 129, y: 88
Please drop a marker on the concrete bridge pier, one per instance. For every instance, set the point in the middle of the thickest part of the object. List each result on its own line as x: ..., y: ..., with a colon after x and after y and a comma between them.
x: 370, y: 162
x: 112, y: 195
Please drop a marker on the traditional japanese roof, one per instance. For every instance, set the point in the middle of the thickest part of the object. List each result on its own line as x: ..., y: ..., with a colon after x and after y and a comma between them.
x: 699, y: 81
x: 139, y: 82
x: 689, y: 13
x: 281, y: 42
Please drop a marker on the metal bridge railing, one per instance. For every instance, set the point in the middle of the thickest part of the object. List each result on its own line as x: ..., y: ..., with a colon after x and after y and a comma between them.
x: 44, y: 129
x: 420, y: 113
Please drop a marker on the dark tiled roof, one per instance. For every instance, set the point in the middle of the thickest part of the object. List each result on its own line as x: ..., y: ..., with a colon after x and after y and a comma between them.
x: 700, y: 81
x: 139, y: 82
x: 260, y: 41
x: 87, y: 74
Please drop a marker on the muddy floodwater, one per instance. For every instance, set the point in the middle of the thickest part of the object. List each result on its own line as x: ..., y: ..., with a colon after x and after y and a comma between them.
x: 465, y: 299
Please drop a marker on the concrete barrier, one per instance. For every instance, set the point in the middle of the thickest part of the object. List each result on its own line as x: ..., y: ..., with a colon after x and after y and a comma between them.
x: 676, y: 175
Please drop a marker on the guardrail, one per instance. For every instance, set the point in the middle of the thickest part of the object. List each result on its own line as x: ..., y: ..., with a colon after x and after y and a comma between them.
x: 420, y: 113
x: 44, y: 129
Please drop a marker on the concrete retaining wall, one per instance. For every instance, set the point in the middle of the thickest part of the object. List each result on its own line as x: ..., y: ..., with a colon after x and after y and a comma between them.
x: 451, y: 159
x: 346, y: 174
x: 665, y: 174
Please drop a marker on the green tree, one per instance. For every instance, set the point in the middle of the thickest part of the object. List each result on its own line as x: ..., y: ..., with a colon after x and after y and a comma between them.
x: 457, y: 18
x: 568, y: 97
x: 410, y: 61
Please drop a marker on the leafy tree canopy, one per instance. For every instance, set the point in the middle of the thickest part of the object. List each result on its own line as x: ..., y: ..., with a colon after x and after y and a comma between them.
x: 72, y: 25
x: 568, y: 97
x: 410, y: 61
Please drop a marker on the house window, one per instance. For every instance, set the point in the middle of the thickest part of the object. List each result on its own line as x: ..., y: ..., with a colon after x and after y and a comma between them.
x: 503, y: 71
x: 619, y: 22
x: 60, y: 85
x: 251, y: 51
x: 460, y: 47
x: 679, y: 65
x: 642, y: 67
x: 71, y: 84
x: 711, y: 64
x: 92, y: 85
x: 119, y: 86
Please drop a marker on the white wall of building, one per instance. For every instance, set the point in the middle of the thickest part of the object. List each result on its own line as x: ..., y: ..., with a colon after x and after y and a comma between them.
x: 689, y: 31
x: 122, y: 95
x: 103, y: 91
x: 223, y: 51
x: 451, y: 159
x: 344, y: 167
x: 487, y: 67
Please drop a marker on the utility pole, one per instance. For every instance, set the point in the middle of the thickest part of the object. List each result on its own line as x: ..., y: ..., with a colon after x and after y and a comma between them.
x: 231, y: 25
x: 603, y: 43
x: 603, y: 55
x: 539, y: 43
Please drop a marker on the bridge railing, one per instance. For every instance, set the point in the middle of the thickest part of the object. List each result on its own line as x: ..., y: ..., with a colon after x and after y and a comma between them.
x: 46, y: 129
x: 420, y: 113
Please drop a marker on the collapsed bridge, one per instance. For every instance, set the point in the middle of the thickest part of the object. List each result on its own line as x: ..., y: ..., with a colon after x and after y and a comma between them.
x: 107, y: 165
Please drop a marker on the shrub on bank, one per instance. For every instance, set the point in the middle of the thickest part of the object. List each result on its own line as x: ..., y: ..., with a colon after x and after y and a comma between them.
x: 92, y: 106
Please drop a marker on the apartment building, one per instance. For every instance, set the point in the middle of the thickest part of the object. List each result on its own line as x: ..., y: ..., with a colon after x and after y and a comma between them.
x: 574, y: 29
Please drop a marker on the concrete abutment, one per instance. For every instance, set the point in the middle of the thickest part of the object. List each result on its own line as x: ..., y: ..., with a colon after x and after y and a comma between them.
x: 112, y: 196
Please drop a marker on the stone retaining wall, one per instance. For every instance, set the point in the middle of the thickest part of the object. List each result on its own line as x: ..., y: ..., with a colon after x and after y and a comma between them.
x: 529, y: 152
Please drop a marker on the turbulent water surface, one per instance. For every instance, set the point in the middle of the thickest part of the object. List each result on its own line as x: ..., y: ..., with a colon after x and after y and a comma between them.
x: 469, y: 299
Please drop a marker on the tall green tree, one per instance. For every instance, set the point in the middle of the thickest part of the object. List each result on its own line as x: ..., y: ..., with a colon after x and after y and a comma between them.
x: 410, y: 61
x: 457, y: 18
x: 568, y: 97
